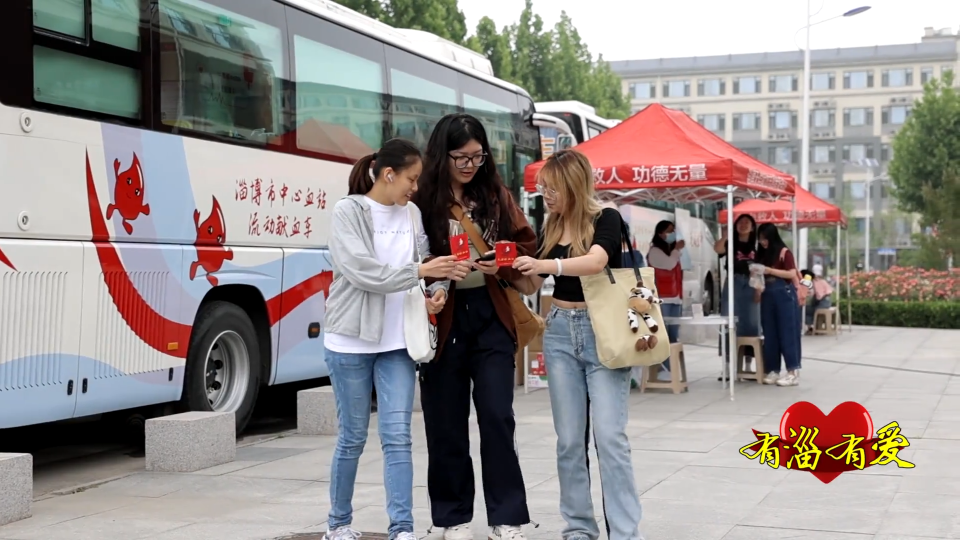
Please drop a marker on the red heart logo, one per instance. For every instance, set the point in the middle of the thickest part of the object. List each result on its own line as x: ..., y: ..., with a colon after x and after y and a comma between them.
x: 832, y: 431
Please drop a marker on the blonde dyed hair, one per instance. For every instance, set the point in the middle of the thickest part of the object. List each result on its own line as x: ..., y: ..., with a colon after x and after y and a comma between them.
x: 570, y: 174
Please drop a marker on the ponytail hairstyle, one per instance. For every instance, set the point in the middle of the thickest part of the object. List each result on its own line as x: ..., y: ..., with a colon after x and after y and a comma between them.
x: 397, y: 154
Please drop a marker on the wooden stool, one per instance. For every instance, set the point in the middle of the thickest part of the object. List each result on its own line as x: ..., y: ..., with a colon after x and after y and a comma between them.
x: 757, y: 344
x: 829, y: 319
x: 678, y: 372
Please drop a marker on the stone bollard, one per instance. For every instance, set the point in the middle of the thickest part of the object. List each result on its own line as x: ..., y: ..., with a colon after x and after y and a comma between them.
x: 317, y: 411
x: 16, y: 487
x: 190, y: 441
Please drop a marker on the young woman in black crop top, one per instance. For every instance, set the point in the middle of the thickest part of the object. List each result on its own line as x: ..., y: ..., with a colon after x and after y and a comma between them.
x: 581, y: 238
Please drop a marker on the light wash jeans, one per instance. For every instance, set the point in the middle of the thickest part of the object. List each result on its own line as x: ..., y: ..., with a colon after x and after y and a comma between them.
x: 353, y: 377
x: 576, y: 375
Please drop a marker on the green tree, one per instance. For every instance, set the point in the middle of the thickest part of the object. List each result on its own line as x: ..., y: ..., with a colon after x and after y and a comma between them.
x: 370, y: 8
x: 495, y: 45
x: 928, y: 145
x: 607, y: 92
x: 440, y: 17
x: 532, y: 54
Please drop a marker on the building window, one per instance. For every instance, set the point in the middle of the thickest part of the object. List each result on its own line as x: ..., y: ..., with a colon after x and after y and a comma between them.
x: 944, y: 69
x: 746, y: 121
x: 752, y: 152
x: 902, y: 226
x: 713, y: 122
x: 856, y: 80
x: 823, y: 118
x: 822, y: 81
x: 227, y: 77
x: 895, y: 115
x: 886, y: 152
x: 860, y: 224
x: 711, y: 87
x: 858, y: 116
x: 746, y: 85
x: 783, y: 119
x: 897, y: 77
x: 855, y: 153
x: 676, y: 89
x: 782, y: 155
x: 643, y: 90
x: 926, y: 74
x: 823, y: 190
x: 858, y: 190
x: 783, y: 83
x: 823, y: 153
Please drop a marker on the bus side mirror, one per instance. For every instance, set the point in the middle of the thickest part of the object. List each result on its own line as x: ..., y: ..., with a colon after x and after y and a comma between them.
x: 564, y: 141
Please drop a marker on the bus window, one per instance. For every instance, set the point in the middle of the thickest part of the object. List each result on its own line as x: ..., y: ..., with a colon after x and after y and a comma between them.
x: 593, y: 130
x: 224, y: 76
x: 339, y: 87
x: 423, y: 93
x: 498, y: 111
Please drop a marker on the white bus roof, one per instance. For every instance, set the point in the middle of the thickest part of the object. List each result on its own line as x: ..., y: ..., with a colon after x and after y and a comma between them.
x: 575, y: 107
x: 430, y: 46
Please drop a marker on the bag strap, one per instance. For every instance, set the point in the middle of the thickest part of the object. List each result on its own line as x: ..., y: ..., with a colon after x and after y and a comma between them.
x: 475, y: 237
x: 624, y: 237
x: 416, y: 235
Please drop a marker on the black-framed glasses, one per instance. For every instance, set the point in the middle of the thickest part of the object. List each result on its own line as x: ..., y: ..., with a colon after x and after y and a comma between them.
x: 462, y: 162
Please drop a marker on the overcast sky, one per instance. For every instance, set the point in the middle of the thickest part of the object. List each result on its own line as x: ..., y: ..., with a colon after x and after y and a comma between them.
x: 640, y: 29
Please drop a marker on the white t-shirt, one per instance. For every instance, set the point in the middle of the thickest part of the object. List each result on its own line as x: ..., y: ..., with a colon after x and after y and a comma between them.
x: 393, y: 245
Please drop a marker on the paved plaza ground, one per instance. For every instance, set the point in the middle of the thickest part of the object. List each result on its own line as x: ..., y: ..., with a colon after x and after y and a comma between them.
x: 694, y: 483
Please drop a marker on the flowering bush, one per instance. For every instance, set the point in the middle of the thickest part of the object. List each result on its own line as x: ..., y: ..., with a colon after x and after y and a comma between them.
x: 905, y: 285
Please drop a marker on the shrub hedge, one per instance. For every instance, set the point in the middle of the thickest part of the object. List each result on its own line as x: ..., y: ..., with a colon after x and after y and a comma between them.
x: 900, y: 314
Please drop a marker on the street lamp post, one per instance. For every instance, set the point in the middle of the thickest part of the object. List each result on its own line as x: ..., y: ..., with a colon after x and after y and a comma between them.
x: 801, y: 242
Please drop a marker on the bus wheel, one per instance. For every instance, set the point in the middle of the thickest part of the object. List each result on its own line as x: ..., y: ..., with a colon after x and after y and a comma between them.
x: 223, y: 372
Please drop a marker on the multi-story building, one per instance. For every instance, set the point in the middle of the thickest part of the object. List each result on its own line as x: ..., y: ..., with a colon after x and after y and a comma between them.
x: 859, y: 97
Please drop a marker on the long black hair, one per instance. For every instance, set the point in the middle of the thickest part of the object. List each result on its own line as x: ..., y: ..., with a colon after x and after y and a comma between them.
x: 398, y: 154
x: 434, y: 195
x: 771, y: 254
x: 658, y: 241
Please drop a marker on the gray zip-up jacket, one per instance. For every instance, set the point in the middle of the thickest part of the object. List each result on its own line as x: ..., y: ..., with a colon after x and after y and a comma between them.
x: 357, y: 298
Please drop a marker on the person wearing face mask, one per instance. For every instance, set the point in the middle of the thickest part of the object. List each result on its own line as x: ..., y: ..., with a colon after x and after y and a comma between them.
x: 374, y: 238
x: 664, y: 257
x: 746, y: 299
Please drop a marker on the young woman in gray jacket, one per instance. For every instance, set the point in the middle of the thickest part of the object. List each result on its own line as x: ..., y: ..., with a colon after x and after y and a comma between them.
x: 374, y: 232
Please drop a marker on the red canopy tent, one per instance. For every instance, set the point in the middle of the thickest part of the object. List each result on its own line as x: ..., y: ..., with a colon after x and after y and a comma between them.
x: 811, y: 212
x: 663, y: 154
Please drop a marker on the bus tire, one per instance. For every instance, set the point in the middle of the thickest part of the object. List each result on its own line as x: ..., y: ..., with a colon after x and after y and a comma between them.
x: 223, y: 363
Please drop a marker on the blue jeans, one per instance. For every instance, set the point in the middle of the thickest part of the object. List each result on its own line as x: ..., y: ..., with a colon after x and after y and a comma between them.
x: 781, y: 325
x: 353, y: 377
x: 813, y: 305
x: 744, y: 308
x: 577, y: 378
x: 673, y: 330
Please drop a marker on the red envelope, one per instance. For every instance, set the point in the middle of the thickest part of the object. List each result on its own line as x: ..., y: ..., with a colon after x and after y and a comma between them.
x: 506, y: 253
x: 460, y: 247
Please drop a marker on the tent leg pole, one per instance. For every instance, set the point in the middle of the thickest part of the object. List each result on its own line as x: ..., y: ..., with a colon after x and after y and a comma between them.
x: 849, y: 296
x: 731, y: 326
x: 838, y: 280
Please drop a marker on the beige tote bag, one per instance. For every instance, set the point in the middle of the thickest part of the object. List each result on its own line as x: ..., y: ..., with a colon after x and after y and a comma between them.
x: 607, y: 295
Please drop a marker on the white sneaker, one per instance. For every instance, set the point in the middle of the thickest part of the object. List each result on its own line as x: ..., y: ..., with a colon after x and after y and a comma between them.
x: 460, y: 532
x: 507, y: 532
x: 342, y: 533
x: 406, y: 536
x: 792, y: 378
x: 664, y: 375
x: 772, y: 377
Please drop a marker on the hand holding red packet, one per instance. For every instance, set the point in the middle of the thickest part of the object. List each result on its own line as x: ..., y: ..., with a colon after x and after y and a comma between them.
x: 460, y: 247
x: 506, y: 253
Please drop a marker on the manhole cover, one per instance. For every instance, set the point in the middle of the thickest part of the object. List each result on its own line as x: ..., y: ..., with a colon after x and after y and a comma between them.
x: 319, y: 536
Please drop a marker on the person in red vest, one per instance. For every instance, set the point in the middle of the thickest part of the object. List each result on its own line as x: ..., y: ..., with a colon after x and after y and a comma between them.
x: 664, y: 257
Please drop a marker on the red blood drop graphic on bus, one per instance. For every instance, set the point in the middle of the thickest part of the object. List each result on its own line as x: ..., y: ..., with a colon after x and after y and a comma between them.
x: 5, y: 260
x: 128, y: 194
x: 211, y: 237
